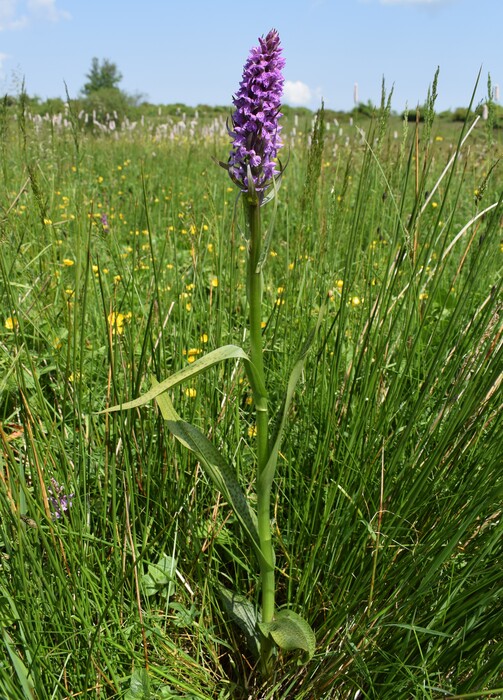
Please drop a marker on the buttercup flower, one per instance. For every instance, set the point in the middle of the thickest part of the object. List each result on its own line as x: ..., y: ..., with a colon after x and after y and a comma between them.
x: 255, y: 129
x: 116, y: 321
x: 11, y: 323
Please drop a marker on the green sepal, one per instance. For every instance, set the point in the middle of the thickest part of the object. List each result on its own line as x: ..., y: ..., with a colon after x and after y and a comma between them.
x: 244, y: 613
x: 251, y: 193
x: 290, y: 631
x: 274, y: 184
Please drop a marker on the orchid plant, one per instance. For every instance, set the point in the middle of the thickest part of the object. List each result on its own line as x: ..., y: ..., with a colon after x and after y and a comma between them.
x: 253, y: 165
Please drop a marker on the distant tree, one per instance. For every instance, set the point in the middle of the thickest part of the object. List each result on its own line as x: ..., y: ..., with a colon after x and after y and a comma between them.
x: 102, y: 96
x: 367, y: 109
x: 104, y: 75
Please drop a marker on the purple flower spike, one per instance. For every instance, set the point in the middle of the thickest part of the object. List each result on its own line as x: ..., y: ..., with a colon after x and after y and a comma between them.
x: 255, y: 127
x: 59, y: 501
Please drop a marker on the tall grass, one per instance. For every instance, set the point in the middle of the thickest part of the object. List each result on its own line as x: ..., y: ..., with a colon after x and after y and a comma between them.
x: 388, y: 515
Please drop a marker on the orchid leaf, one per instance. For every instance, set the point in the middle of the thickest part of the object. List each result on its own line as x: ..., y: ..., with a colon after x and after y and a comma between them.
x: 267, y: 475
x: 161, y: 577
x: 290, y: 631
x: 213, y: 464
x: 23, y: 674
x: 139, y: 685
x: 227, y: 352
x: 244, y: 613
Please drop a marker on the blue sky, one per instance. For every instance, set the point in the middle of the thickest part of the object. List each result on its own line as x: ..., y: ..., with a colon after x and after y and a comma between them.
x: 193, y: 51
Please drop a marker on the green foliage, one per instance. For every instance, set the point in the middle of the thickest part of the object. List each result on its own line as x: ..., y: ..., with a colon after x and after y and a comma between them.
x: 314, y: 162
x: 107, y: 101
x: 387, y: 528
x: 291, y: 632
x: 102, y: 76
x: 141, y: 689
x: 102, y: 96
x: 365, y: 109
x: 160, y: 579
x: 244, y: 613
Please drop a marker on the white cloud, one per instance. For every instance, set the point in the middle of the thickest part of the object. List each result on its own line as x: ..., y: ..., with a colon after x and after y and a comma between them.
x: 297, y: 93
x: 17, y: 14
x: 46, y: 9
x: 9, y: 18
x: 7, y: 9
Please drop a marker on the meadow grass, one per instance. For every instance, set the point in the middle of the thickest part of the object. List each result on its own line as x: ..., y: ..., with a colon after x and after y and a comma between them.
x: 123, y: 259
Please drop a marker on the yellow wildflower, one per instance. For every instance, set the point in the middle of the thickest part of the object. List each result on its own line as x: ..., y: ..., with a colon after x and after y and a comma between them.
x: 116, y: 321
x: 191, y: 354
x: 11, y: 323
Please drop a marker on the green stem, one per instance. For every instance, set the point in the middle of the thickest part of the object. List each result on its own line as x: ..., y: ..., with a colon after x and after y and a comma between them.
x: 264, y: 480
